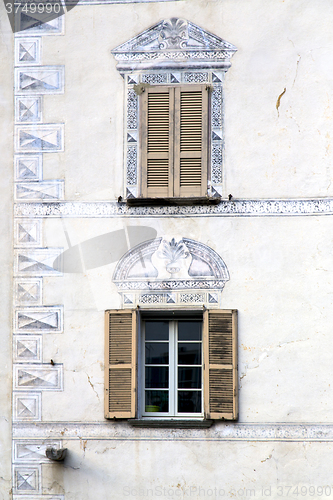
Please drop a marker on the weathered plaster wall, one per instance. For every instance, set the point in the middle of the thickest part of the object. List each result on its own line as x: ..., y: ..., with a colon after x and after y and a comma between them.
x: 277, y: 145
x: 282, y: 152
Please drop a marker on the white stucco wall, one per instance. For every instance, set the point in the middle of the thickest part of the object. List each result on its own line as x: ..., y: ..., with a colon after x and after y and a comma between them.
x: 277, y: 146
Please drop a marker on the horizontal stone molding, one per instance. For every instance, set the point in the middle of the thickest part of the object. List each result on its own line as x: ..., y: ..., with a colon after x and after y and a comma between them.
x: 314, y: 432
x: 236, y: 208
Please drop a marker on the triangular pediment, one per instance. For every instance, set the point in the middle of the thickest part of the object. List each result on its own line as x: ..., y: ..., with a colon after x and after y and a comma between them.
x: 174, y: 39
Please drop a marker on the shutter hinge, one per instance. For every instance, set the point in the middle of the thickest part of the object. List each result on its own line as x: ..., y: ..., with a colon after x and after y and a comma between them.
x: 139, y: 88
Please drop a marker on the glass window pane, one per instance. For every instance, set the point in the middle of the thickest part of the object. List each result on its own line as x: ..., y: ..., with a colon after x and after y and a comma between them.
x: 189, y: 330
x: 189, y: 401
x: 157, y: 330
x: 189, y: 354
x: 157, y: 353
x: 157, y: 376
x: 189, y: 378
x: 157, y: 401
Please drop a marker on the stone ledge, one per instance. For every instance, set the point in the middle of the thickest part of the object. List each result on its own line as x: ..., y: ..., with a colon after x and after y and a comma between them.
x: 148, y: 202
x: 173, y: 424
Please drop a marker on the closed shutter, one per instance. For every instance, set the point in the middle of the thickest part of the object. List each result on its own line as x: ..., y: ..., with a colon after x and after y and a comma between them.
x: 120, y: 364
x: 220, y: 364
x: 174, y: 141
x: 191, y: 108
x: 156, y: 141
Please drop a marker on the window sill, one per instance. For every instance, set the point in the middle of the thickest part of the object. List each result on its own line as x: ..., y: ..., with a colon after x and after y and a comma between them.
x: 173, y: 424
x: 200, y: 200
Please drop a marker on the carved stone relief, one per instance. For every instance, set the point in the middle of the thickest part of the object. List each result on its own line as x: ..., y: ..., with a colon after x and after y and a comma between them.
x: 170, y: 270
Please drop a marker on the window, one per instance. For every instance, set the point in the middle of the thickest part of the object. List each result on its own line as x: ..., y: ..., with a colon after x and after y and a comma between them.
x: 171, y: 364
x: 172, y: 380
x: 174, y: 141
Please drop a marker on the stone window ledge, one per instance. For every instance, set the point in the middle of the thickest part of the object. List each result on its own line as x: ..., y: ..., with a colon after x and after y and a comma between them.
x: 171, y: 423
x: 201, y: 200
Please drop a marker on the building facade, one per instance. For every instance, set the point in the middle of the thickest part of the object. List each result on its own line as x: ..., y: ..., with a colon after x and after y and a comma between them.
x: 169, y: 164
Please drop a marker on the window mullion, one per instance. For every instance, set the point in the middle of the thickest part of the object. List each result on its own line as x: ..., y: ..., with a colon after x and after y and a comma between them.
x: 172, y: 367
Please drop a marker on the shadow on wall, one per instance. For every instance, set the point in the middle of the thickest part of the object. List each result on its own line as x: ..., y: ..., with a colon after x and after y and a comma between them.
x: 102, y: 250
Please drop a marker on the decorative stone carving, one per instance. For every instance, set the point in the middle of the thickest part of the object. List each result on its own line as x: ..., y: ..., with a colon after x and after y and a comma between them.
x: 39, y: 319
x: 27, y: 479
x: 33, y: 451
x: 173, y: 34
x: 170, y: 264
x: 265, y: 432
x: 27, y: 406
x: 172, y: 259
x: 39, y: 377
x: 234, y: 208
x: 171, y: 43
x: 28, y: 167
x: 41, y: 80
x: 27, y: 51
x: 39, y: 138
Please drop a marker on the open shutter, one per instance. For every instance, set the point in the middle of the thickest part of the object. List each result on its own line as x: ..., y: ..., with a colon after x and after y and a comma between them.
x: 120, y: 364
x: 220, y: 364
x: 191, y: 137
x: 157, y: 142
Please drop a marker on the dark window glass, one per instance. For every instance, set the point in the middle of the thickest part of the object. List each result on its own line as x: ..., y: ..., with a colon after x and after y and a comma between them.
x: 157, y: 376
x: 189, y: 354
x: 189, y: 378
x: 157, y: 401
x: 157, y: 330
x: 189, y: 401
x: 157, y: 353
x: 189, y: 330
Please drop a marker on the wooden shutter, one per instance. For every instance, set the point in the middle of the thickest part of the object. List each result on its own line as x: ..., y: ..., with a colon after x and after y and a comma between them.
x: 220, y: 364
x: 120, y: 364
x: 157, y: 105
x: 190, y: 142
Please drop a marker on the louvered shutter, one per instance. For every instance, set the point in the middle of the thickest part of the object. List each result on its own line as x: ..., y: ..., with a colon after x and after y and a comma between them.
x: 120, y: 364
x: 220, y: 364
x: 157, y: 105
x: 190, y: 142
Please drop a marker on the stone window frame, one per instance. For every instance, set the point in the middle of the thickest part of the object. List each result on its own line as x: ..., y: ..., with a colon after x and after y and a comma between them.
x: 173, y: 52
x: 123, y: 366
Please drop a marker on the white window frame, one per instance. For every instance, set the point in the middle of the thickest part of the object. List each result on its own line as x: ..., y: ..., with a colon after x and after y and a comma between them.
x: 173, y: 370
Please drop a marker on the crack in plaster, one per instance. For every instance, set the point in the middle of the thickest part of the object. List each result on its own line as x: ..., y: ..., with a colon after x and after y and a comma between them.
x: 277, y: 105
x: 297, y: 63
x: 92, y: 386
